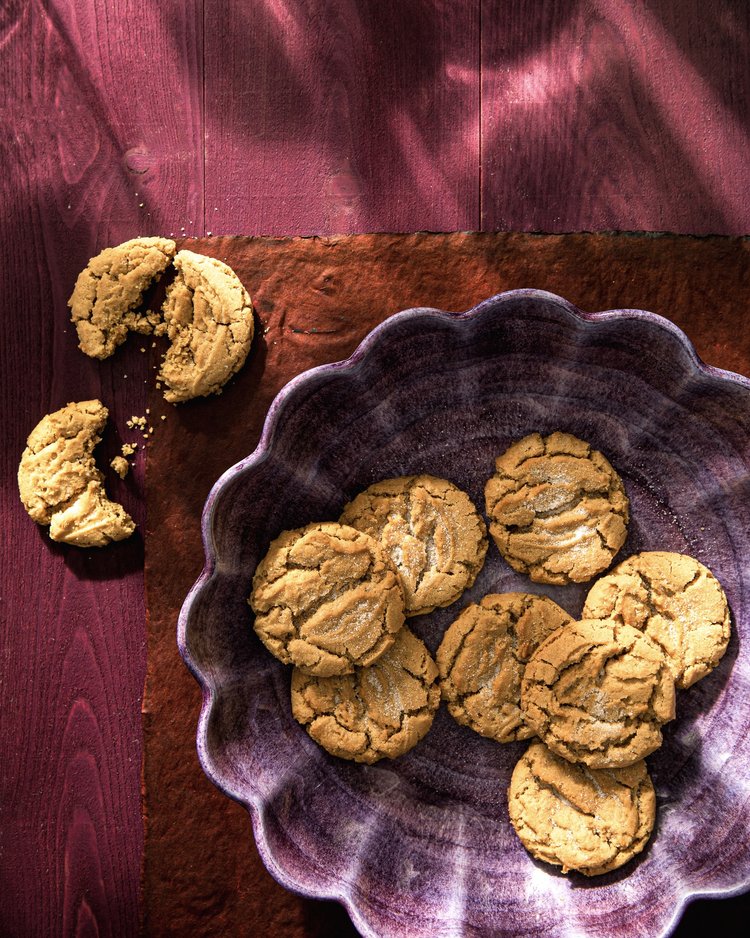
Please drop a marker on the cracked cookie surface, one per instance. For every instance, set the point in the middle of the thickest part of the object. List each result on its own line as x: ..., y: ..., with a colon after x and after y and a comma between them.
x: 326, y: 599
x: 431, y: 531
x: 676, y: 601
x: 589, y: 820
x: 208, y: 318
x: 558, y: 510
x: 598, y: 692
x: 378, y: 712
x: 105, y: 300
x: 59, y: 483
x: 482, y: 657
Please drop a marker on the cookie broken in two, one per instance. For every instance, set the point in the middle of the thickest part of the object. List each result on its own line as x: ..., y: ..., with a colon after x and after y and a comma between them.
x: 207, y: 314
x: 208, y: 318
x: 59, y: 482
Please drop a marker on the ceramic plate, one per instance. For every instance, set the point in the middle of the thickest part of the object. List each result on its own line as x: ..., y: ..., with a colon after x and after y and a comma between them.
x: 422, y: 845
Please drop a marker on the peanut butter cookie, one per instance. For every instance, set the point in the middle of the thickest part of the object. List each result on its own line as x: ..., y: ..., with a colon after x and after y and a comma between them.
x: 326, y: 599
x: 430, y: 530
x: 379, y: 711
x: 208, y: 317
x: 59, y: 483
x: 108, y: 292
x: 676, y: 601
x: 589, y: 820
x: 482, y: 657
x: 598, y: 692
x: 558, y: 510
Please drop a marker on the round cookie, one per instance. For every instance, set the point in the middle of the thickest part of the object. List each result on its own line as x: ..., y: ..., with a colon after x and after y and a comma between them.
x: 208, y: 318
x: 558, y: 510
x: 589, y: 820
x: 482, y: 657
x: 59, y: 482
x: 378, y: 712
x: 676, y: 601
x: 598, y: 692
x: 109, y: 290
x: 430, y: 530
x: 326, y: 599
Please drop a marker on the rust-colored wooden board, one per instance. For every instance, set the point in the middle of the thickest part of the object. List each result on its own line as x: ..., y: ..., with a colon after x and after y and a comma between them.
x: 316, y: 299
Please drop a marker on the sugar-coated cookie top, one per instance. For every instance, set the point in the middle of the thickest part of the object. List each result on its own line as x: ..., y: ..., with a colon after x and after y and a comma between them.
x: 589, y: 820
x: 482, y: 657
x: 379, y: 711
x: 558, y: 510
x: 326, y: 599
x: 676, y: 601
x: 598, y: 692
x: 430, y: 530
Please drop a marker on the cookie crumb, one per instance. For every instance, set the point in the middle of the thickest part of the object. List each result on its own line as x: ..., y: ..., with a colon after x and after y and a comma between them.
x: 121, y: 466
x: 139, y: 422
x: 129, y: 448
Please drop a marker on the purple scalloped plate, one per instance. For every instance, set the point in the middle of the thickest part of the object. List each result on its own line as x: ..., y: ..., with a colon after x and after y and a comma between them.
x: 422, y: 845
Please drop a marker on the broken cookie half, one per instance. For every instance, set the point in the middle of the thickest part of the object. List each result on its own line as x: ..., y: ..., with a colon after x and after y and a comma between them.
x: 208, y: 318
x: 109, y: 292
x: 60, y: 485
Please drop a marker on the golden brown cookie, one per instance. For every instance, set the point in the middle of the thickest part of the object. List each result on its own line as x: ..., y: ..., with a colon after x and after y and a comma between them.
x: 430, y: 530
x: 676, y: 601
x: 108, y: 292
x: 208, y: 317
x: 59, y: 483
x: 482, y: 657
x: 326, y: 599
x: 379, y: 711
x: 558, y: 510
x: 598, y: 692
x: 589, y: 820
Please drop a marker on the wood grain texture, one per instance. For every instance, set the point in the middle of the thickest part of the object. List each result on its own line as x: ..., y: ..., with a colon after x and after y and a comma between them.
x: 253, y: 116
x: 351, y: 115
x: 87, y: 160
x: 598, y: 114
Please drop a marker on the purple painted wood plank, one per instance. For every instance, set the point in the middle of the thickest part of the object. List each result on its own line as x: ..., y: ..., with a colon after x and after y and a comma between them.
x: 606, y: 115
x: 102, y: 105
x: 353, y: 115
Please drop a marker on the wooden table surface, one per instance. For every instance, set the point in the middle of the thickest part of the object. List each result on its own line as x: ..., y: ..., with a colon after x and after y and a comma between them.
x: 279, y: 117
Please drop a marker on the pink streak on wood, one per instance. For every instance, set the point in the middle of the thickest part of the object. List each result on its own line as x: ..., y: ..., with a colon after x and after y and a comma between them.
x: 607, y: 115
x: 353, y: 115
x: 103, y: 105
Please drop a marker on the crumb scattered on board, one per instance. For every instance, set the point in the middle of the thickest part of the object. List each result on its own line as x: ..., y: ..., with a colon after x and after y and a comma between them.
x: 121, y: 466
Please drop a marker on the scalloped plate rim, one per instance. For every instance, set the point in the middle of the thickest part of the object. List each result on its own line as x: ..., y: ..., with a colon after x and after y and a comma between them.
x: 254, y: 805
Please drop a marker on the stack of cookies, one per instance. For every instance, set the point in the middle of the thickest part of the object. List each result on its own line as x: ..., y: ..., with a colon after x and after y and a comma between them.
x: 331, y: 599
x: 595, y: 692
